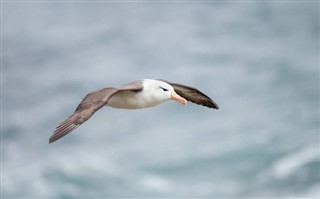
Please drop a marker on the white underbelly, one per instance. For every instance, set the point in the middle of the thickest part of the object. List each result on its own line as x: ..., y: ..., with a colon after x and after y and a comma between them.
x: 131, y: 100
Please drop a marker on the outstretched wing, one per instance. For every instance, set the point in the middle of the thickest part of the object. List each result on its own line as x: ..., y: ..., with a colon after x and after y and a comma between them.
x: 88, y: 106
x: 193, y: 95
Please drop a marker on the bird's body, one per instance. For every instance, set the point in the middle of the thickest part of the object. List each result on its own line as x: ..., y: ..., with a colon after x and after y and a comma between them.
x: 129, y: 99
x: 136, y: 95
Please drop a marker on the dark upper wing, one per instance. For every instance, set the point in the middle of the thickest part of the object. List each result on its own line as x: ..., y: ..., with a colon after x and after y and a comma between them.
x: 88, y: 106
x: 193, y: 95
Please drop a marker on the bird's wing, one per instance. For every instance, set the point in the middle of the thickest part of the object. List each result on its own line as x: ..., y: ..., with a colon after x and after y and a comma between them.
x: 87, y: 107
x: 133, y: 86
x: 193, y: 95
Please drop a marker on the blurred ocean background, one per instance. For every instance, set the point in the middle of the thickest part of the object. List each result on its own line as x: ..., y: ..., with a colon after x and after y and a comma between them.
x: 258, y: 60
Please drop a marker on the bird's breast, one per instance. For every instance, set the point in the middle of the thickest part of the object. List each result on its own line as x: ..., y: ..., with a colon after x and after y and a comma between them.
x: 131, y: 100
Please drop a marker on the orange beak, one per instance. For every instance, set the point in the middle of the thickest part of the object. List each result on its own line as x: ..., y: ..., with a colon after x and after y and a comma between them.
x: 178, y: 98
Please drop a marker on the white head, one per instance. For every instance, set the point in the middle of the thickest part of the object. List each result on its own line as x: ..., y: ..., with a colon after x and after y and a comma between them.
x: 159, y: 91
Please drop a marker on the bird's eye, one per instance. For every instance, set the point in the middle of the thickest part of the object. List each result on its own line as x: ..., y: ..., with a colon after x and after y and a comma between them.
x: 164, y: 89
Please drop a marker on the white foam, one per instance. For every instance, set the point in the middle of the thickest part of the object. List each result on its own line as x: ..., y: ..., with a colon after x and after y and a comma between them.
x: 289, y: 164
x: 156, y: 183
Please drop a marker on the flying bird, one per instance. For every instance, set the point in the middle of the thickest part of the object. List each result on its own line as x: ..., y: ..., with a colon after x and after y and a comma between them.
x: 136, y: 95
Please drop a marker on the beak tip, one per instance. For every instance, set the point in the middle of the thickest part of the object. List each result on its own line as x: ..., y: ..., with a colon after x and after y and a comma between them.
x: 185, y: 103
x: 178, y: 98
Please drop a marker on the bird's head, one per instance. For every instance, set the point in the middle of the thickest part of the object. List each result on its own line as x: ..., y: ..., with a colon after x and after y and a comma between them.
x: 161, y: 91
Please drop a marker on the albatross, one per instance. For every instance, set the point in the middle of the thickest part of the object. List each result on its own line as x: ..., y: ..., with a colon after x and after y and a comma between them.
x: 136, y: 95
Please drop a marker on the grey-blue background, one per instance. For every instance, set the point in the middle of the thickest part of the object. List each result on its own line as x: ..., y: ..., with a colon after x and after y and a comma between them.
x: 259, y: 61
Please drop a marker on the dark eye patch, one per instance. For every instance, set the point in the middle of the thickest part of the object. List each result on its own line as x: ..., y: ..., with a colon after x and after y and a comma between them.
x: 164, y: 89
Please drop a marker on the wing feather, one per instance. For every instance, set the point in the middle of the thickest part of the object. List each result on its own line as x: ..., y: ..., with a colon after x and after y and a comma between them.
x: 193, y: 95
x: 87, y: 107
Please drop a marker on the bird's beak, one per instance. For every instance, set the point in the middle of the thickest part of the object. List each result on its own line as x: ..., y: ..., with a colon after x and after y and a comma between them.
x: 178, y: 98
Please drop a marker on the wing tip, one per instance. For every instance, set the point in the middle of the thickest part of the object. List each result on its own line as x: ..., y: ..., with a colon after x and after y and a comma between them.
x: 209, y: 103
x: 215, y: 106
x: 62, y: 130
x: 51, y: 140
x: 55, y: 137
